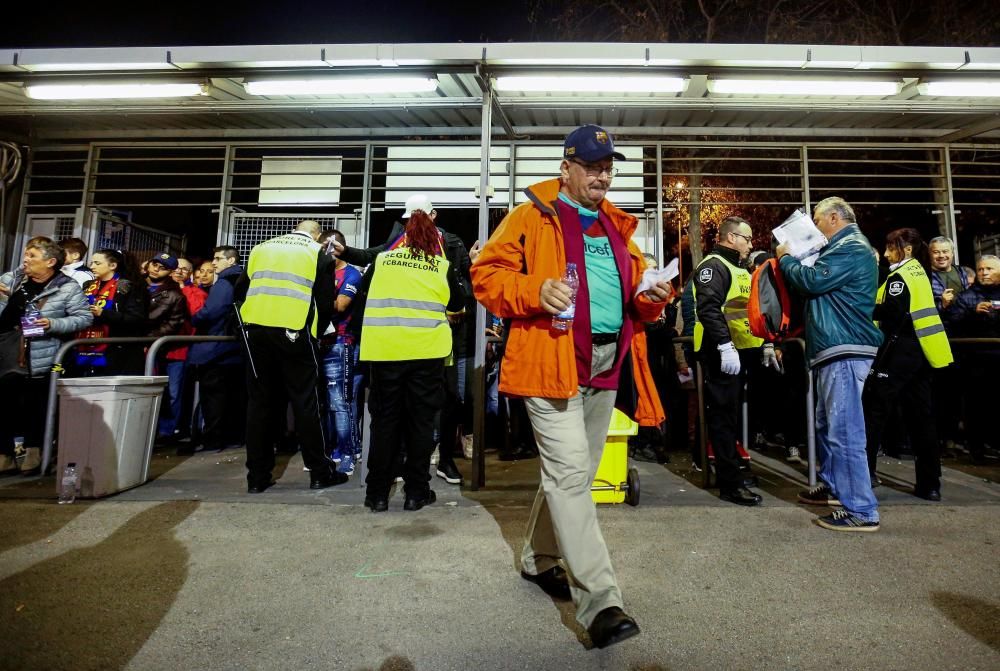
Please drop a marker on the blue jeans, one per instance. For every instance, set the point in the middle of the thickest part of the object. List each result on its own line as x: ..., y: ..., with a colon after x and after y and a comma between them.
x: 339, y: 363
x: 840, y: 435
x: 175, y: 388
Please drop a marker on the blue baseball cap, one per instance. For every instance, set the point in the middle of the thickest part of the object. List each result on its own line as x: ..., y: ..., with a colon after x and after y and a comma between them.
x: 166, y: 260
x: 590, y: 143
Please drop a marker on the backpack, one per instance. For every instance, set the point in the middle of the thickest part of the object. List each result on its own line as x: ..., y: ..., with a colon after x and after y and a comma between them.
x: 774, y: 313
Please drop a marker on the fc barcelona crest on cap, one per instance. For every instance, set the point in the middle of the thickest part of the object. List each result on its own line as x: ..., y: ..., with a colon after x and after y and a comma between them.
x: 590, y: 143
x: 705, y: 276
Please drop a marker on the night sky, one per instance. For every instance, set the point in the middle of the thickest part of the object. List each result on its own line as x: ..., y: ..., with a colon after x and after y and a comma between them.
x: 36, y: 23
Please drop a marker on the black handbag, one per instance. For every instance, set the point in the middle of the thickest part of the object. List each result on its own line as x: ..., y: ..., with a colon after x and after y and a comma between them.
x: 13, y: 353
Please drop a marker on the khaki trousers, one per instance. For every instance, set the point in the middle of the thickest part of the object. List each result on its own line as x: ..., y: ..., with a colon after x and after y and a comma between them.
x: 563, y: 525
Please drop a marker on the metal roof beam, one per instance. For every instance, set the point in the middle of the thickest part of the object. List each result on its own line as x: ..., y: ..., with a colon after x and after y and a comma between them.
x: 651, y: 133
x: 486, y: 86
x: 971, y: 131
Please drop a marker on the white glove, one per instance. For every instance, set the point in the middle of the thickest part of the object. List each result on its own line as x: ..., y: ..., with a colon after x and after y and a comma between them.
x: 730, y: 359
x: 769, y: 358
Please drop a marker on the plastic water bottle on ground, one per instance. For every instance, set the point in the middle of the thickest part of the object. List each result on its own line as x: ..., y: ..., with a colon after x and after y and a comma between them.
x: 563, y: 320
x: 67, y: 486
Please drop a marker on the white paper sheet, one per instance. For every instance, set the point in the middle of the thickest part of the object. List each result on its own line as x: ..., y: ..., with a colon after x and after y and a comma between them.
x: 653, y: 276
x: 801, y: 237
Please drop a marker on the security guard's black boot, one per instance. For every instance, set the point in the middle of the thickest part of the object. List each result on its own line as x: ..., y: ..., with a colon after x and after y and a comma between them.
x: 328, y: 479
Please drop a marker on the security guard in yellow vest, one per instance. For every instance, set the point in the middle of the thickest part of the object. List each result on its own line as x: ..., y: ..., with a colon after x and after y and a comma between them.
x: 410, y: 292
x: 915, y: 343
x: 289, y: 292
x: 724, y: 344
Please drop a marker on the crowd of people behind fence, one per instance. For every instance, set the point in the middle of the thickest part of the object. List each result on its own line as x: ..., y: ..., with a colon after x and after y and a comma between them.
x: 315, y: 323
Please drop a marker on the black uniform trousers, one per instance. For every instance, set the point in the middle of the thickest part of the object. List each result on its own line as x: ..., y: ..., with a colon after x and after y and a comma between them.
x: 909, y: 389
x: 23, y: 401
x: 722, y: 412
x: 979, y: 377
x: 223, y: 404
x: 286, y: 369
x: 403, y: 398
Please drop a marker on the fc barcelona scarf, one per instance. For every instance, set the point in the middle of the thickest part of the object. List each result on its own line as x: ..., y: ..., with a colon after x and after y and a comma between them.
x: 101, y: 294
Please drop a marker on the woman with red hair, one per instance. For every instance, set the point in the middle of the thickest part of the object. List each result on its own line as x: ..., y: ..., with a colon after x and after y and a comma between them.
x: 411, y: 291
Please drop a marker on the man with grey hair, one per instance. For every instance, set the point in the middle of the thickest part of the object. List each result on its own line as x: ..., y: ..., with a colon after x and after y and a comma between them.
x: 289, y: 295
x: 976, y: 314
x: 947, y: 280
x: 842, y: 340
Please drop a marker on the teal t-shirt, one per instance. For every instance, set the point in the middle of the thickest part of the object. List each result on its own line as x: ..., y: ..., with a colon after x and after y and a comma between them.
x: 602, y: 275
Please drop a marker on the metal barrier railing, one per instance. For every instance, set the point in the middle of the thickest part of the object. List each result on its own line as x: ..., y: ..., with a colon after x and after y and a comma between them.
x: 155, y: 348
x: 703, y: 437
x: 158, y: 343
x: 48, y: 439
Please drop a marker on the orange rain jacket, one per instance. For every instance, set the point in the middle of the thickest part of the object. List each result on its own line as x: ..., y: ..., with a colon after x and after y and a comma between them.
x: 507, y: 278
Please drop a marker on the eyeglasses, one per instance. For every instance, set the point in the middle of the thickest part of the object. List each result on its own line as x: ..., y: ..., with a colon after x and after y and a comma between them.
x: 748, y: 238
x: 182, y: 270
x: 593, y: 170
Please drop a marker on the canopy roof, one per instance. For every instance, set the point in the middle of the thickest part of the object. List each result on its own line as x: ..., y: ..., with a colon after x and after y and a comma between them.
x: 461, y: 71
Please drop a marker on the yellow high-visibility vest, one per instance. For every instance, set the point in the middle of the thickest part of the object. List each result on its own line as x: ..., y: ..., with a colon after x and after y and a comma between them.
x: 734, y: 309
x: 923, y: 312
x: 282, y: 272
x: 405, y: 314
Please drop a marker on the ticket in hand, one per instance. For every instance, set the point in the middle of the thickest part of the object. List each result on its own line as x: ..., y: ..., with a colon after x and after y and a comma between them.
x: 29, y: 324
x: 653, y: 276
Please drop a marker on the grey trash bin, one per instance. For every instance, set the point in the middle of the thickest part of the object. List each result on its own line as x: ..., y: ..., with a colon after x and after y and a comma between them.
x: 107, y: 426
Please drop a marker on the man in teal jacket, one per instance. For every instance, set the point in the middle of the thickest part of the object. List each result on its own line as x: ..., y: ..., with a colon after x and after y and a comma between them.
x: 841, y: 342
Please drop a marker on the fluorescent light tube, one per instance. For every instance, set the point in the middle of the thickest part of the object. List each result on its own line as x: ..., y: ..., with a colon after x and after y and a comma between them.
x: 966, y: 89
x: 105, y: 91
x: 804, y: 87
x: 340, y: 86
x: 590, y: 84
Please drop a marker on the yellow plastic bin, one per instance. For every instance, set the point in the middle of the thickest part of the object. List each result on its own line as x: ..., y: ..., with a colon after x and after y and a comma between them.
x: 615, y: 482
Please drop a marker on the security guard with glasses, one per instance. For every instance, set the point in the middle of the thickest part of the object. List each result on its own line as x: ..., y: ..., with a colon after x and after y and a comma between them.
x: 289, y: 291
x: 915, y: 343
x: 724, y: 343
x: 411, y: 291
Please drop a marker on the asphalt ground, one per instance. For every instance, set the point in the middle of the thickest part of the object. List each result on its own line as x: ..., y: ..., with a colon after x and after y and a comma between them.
x: 190, y: 572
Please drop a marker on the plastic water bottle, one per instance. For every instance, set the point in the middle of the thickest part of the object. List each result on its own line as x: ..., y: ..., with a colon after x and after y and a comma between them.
x: 67, y: 489
x: 563, y: 320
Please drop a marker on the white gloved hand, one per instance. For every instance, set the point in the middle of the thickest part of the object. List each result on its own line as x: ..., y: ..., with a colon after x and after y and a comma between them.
x: 730, y: 359
x: 769, y: 358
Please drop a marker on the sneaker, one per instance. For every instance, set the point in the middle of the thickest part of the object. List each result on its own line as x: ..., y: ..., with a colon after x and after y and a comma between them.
x: 695, y: 467
x: 449, y: 472
x: 793, y: 455
x: 841, y: 520
x: 336, y: 456
x: 346, y: 465
x: 435, y: 456
x: 820, y: 495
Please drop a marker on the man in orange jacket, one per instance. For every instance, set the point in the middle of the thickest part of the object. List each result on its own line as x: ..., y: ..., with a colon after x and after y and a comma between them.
x: 569, y: 378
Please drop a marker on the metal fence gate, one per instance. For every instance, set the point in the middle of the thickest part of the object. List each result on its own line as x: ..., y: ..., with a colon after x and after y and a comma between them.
x: 244, y: 230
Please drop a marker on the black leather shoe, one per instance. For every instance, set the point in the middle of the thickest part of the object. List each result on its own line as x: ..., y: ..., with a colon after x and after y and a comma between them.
x: 741, y: 496
x: 418, y: 503
x: 259, y: 487
x: 928, y: 494
x: 331, y: 479
x: 554, y: 582
x: 377, y: 504
x: 611, y: 626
